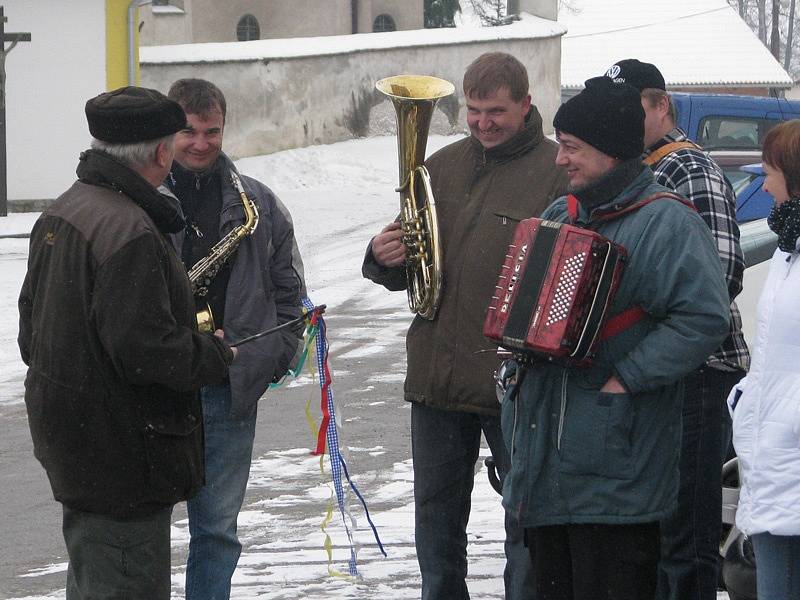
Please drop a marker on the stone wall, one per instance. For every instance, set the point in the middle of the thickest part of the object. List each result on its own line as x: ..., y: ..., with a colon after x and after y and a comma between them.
x: 278, y: 101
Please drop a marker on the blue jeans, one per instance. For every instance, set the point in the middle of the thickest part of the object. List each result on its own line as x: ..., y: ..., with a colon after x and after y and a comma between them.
x: 690, y: 536
x: 777, y: 566
x: 445, y: 447
x: 214, y: 547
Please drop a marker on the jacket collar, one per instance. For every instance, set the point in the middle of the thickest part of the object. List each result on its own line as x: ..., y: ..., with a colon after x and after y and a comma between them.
x: 180, y: 176
x: 676, y: 134
x: 525, y: 140
x: 614, y: 190
x: 98, y: 168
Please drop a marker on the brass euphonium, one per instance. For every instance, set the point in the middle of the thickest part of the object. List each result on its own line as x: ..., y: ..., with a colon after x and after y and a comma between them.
x: 414, y: 98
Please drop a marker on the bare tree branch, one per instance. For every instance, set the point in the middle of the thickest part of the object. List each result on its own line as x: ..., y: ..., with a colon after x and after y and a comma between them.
x: 775, y: 35
x: 787, y: 59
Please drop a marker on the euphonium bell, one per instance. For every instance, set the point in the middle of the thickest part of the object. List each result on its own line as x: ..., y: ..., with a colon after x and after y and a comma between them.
x: 414, y: 98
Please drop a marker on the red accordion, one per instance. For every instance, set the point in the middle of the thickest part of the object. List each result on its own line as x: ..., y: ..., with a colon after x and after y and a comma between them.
x: 554, y: 291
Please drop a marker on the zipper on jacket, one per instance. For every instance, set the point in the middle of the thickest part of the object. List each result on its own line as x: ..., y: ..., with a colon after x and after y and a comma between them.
x: 514, y: 431
x: 563, y: 408
x: 790, y: 261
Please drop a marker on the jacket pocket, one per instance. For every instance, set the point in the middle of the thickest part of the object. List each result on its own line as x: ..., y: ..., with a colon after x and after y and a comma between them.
x: 510, y: 218
x: 174, y: 453
x: 597, y: 436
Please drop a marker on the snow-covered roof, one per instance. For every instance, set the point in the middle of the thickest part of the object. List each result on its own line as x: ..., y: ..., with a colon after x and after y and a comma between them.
x: 526, y: 28
x: 695, y: 43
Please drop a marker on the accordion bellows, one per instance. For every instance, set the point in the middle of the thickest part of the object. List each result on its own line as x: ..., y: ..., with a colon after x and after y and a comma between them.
x: 554, y: 291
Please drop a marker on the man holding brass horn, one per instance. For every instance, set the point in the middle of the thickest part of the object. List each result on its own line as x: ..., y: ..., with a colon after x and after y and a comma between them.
x: 483, y: 186
x: 239, y: 246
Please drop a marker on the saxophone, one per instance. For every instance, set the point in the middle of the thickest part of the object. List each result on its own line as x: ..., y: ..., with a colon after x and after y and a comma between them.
x: 203, y: 272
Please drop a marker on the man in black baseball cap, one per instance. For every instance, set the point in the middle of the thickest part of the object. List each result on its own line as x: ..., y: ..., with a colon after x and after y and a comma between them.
x: 638, y: 74
x: 108, y: 331
x: 596, y: 447
x: 690, y: 537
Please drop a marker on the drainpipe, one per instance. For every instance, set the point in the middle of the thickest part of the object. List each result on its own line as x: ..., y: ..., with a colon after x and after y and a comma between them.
x: 354, y: 15
x: 132, y: 37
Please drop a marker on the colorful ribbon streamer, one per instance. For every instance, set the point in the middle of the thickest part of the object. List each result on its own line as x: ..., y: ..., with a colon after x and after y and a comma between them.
x: 327, y: 435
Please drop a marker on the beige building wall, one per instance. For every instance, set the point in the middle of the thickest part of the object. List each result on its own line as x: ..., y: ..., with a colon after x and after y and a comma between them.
x: 215, y: 21
x: 407, y: 14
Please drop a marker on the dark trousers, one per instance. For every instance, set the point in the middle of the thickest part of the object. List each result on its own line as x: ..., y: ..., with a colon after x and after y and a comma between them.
x: 445, y: 446
x: 117, y: 559
x: 595, y: 562
x: 690, y: 536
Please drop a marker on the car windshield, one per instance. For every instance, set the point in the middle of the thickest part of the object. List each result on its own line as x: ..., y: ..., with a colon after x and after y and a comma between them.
x: 739, y: 179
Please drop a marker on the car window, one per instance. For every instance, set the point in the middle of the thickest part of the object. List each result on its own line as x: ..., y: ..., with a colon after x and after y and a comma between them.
x: 734, y: 132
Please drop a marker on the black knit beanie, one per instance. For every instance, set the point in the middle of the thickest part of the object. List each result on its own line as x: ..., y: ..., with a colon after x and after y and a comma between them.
x: 606, y: 115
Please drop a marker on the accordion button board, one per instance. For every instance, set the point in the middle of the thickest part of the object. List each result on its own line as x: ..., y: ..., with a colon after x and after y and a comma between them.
x: 554, y: 291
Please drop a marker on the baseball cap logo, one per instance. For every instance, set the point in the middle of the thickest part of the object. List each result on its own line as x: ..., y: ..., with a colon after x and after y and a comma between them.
x: 614, y: 72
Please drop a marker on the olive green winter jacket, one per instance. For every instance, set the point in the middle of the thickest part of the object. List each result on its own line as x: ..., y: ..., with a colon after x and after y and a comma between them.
x: 480, y: 197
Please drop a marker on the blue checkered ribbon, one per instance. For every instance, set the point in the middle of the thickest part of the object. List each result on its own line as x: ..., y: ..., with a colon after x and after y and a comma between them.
x: 337, y: 462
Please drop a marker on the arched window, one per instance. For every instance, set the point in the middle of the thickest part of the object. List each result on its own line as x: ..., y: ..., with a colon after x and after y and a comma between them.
x: 383, y: 23
x: 248, y: 29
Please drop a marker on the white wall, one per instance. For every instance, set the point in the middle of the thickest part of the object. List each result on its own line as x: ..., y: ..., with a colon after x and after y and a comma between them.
x: 48, y: 81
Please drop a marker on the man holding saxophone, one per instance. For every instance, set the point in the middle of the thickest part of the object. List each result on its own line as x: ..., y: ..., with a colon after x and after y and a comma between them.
x: 483, y: 186
x: 255, y: 287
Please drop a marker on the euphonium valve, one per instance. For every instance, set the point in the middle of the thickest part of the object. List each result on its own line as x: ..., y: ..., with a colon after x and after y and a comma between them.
x: 414, y: 98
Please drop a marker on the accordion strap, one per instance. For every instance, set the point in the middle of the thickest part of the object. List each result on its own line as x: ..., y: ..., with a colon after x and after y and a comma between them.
x: 629, y: 317
x: 572, y: 206
x: 669, y: 148
x: 620, y: 322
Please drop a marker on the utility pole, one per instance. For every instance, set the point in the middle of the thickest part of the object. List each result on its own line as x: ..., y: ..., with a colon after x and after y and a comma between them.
x: 14, y: 38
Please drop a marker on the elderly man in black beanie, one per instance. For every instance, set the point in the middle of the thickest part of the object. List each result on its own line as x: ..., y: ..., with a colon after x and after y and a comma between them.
x: 108, y: 331
x: 690, y: 536
x: 595, y: 449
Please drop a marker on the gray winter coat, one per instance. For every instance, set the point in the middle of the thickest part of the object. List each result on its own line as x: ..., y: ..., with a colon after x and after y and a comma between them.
x: 263, y: 291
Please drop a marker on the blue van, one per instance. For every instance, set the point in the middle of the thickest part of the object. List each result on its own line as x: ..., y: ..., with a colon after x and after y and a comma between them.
x: 732, y: 129
x: 728, y: 122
